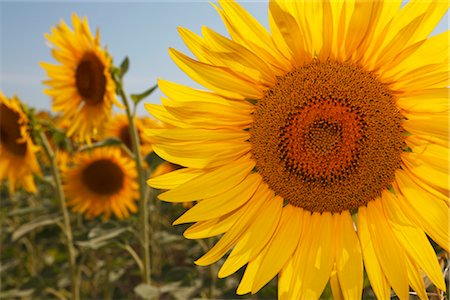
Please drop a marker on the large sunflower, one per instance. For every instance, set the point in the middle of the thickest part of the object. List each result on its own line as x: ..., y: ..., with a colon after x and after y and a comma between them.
x: 81, y: 85
x: 321, y: 147
x: 18, y: 161
x: 118, y: 127
x: 102, y: 182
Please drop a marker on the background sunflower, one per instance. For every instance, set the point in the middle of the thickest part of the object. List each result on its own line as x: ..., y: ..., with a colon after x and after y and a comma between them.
x: 18, y: 163
x: 102, y: 182
x: 81, y: 85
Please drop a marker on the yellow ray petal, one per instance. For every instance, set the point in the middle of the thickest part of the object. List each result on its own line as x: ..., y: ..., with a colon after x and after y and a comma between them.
x: 257, y: 235
x: 222, y: 204
x: 428, y: 101
x: 314, y: 258
x: 230, y: 238
x: 194, y: 134
x: 219, y: 79
x: 246, y: 30
x: 284, y: 280
x: 245, y: 286
x: 201, y: 155
x: 280, y: 247
x: 387, y: 249
x: 372, y: 265
x: 210, y: 184
x: 160, y: 113
x: 413, y: 239
x: 432, y: 216
x: 349, y: 264
x: 289, y: 32
x: 437, y: 127
x: 183, y: 93
x: 174, y: 179
x: 415, y: 279
x: 335, y: 286
x: 213, y: 227
x: 434, y: 173
x: 247, y: 61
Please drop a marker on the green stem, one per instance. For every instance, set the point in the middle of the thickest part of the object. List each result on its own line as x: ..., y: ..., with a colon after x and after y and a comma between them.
x: 143, y: 210
x: 67, y: 227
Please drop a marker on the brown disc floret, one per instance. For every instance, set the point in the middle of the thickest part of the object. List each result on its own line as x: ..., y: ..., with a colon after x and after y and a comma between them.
x: 328, y: 137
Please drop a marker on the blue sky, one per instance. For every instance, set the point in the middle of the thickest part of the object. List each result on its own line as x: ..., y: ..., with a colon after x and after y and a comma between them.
x: 143, y: 31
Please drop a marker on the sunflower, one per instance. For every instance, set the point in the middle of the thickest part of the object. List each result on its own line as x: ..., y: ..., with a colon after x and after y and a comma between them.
x: 18, y: 161
x: 81, y: 85
x: 118, y: 127
x: 318, y: 149
x: 102, y: 182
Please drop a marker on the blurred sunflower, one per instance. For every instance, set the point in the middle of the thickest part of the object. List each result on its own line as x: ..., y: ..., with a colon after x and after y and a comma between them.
x: 102, y: 182
x: 321, y: 147
x: 118, y: 127
x: 18, y: 161
x: 81, y: 85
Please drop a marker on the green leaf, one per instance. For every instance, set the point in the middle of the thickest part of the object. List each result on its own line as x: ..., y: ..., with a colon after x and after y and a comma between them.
x: 39, y: 222
x: 99, y: 237
x: 124, y: 65
x: 139, y: 97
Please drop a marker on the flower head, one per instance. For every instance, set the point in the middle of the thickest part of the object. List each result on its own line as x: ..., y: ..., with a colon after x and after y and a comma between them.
x: 81, y: 84
x: 318, y: 148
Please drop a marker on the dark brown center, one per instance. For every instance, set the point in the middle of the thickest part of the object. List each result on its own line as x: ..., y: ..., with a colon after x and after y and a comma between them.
x: 103, y: 177
x: 327, y: 137
x: 90, y: 79
x: 10, y: 131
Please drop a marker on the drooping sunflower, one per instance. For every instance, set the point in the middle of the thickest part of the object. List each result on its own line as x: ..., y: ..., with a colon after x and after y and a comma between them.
x: 319, y: 148
x: 81, y: 84
x: 102, y: 181
x: 18, y: 163
x: 118, y: 127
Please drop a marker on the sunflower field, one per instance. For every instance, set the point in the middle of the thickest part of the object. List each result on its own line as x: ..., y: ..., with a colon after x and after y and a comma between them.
x: 312, y: 164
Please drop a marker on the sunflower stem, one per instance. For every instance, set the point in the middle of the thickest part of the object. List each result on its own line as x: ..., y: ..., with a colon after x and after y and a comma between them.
x: 143, y: 211
x: 67, y: 227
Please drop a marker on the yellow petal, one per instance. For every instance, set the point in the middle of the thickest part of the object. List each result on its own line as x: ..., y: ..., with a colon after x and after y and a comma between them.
x: 219, y: 79
x: 349, y: 264
x: 432, y: 216
x: 201, y: 155
x: 234, y: 234
x: 213, y: 227
x: 257, y: 235
x: 314, y: 258
x: 284, y: 280
x: 222, y: 204
x: 280, y: 247
x: 413, y: 240
x: 246, y: 30
x: 335, y: 286
x: 387, y: 249
x: 160, y: 113
x: 194, y: 134
x: 433, y: 173
x: 174, y: 179
x: 290, y: 32
x: 415, y: 278
x: 433, y: 126
x: 212, y: 183
x: 428, y: 101
x: 372, y: 265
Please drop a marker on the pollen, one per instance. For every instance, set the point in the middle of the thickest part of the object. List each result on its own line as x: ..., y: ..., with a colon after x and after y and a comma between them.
x: 328, y: 137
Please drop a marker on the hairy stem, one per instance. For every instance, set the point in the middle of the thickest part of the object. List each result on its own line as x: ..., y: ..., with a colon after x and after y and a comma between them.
x: 67, y: 227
